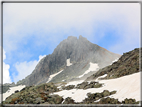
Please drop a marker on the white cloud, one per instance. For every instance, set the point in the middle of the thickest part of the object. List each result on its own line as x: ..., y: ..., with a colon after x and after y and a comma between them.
x: 22, y: 20
x: 25, y: 68
x: 39, y: 20
x: 6, y: 76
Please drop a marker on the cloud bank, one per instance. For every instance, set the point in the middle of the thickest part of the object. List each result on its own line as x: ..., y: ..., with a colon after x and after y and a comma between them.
x: 6, y: 75
x: 32, y: 29
x: 92, y: 20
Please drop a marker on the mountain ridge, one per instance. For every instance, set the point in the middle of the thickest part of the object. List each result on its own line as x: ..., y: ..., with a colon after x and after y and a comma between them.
x: 77, y: 50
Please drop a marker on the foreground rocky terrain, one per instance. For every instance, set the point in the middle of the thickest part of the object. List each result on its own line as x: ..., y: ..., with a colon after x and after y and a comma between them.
x: 60, y: 78
x: 42, y: 94
x: 96, y: 89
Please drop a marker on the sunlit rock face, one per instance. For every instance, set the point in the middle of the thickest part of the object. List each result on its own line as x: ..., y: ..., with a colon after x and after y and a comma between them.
x: 77, y: 52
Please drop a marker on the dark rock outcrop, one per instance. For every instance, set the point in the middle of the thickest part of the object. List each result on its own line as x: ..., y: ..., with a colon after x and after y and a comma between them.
x: 86, y: 85
x: 127, y: 64
x: 69, y: 87
x: 69, y: 100
x: 96, y: 96
x: 35, y: 95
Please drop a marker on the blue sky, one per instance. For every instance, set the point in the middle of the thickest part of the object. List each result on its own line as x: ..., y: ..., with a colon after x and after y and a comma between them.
x: 31, y: 31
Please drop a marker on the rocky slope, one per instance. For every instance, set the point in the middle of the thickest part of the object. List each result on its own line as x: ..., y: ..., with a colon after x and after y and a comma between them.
x: 91, y: 91
x: 127, y: 64
x: 80, y: 52
x: 42, y: 94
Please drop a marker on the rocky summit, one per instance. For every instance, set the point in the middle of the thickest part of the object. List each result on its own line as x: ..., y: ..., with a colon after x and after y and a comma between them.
x: 79, y: 52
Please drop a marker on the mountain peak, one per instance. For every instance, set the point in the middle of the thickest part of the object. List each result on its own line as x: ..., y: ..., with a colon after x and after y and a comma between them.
x: 80, y: 51
x: 75, y: 38
x: 81, y: 38
x: 71, y: 38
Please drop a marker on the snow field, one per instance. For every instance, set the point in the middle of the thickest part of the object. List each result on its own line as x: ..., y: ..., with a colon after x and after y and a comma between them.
x: 114, y: 61
x: 68, y: 62
x: 12, y: 90
x: 53, y: 75
x: 93, y: 67
x: 126, y: 87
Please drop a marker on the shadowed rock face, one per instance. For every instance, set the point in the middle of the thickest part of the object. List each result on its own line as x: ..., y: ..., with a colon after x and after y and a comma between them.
x: 78, y: 50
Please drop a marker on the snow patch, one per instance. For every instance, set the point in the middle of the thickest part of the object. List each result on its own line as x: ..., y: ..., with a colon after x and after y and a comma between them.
x: 74, y: 82
x: 68, y: 62
x: 126, y: 87
x: 103, y: 97
x: 93, y: 67
x: 101, y: 77
x: 114, y: 61
x: 53, y: 75
x: 12, y: 90
x: 63, y: 101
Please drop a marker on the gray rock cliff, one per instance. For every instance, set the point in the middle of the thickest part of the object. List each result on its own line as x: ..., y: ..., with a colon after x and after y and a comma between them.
x: 80, y: 51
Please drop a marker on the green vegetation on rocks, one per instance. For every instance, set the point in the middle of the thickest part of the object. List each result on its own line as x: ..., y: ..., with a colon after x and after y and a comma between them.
x: 102, y: 98
x: 69, y: 87
x: 42, y: 94
x: 86, y: 85
x: 83, y: 85
x: 35, y: 95
x: 96, y: 96
x: 109, y: 100
x: 69, y: 100
x: 130, y: 101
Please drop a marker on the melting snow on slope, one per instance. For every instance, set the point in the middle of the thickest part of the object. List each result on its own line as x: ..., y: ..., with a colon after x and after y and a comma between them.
x: 114, y: 61
x: 53, y: 75
x: 68, y: 62
x: 126, y: 87
x: 74, y: 82
x: 12, y: 90
x: 101, y: 77
x: 93, y: 67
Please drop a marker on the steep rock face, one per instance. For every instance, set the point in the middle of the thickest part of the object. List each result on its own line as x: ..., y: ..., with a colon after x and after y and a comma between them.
x: 78, y: 50
x: 127, y: 64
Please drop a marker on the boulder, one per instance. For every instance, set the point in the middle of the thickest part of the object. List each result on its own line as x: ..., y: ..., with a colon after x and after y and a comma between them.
x: 105, y: 93
x: 69, y: 100
x: 69, y: 87
x: 16, y: 91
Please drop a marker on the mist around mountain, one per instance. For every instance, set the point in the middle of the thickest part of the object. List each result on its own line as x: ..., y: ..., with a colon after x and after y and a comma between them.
x: 79, y: 52
x: 113, y: 84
